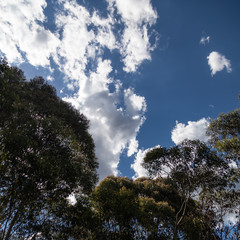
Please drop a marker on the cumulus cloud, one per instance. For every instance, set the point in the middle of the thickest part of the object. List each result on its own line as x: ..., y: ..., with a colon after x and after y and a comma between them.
x: 112, y: 128
x: 218, y: 62
x: 193, y: 130
x: 205, y: 40
x: 77, y: 48
x: 115, y: 116
x: 23, y: 34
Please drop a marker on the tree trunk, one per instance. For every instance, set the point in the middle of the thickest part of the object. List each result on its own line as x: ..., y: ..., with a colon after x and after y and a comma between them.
x: 179, y: 220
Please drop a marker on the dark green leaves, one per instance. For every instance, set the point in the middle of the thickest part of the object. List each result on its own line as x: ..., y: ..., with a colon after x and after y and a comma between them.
x: 46, y: 154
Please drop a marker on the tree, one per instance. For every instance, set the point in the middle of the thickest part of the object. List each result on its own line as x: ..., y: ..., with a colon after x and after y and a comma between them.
x: 196, y: 172
x: 116, y: 207
x: 144, y: 209
x: 224, y: 135
x: 46, y: 153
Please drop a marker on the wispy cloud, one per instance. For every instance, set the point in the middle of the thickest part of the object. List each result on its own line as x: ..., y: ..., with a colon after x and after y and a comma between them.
x: 204, y: 40
x: 78, y: 48
x: 193, y: 130
x: 218, y: 62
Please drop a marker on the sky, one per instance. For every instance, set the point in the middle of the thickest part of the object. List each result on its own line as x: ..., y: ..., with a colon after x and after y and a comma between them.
x: 144, y: 72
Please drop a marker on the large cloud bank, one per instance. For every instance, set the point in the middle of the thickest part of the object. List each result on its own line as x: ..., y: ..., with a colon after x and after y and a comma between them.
x: 78, y: 47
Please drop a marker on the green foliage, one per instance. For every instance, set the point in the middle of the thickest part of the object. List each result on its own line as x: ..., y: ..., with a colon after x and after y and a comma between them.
x: 46, y: 153
x: 144, y: 209
x: 190, y: 166
x: 225, y: 134
x: 193, y: 170
x: 115, y: 203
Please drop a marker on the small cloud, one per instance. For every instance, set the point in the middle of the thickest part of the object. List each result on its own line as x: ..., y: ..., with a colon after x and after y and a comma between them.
x: 211, y: 105
x: 205, y: 40
x: 50, y: 78
x: 192, y: 131
x: 140, y: 171
x: 218, y: 62
x: 137, y: 165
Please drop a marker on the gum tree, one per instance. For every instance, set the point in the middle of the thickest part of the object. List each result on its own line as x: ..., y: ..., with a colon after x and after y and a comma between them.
x: 46, y: 153
x: 145, y: 209
x: 195, y: 171
x: 224, y: 135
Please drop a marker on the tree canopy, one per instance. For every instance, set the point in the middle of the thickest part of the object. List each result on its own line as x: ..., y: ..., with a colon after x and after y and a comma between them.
x: 224, y: 135
x: 145, y: 209
x: 194, y: 169
x: 46, y: 153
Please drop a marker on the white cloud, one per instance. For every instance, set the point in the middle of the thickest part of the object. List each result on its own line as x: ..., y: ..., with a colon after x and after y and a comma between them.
x: 231, y: 217
x: 218, y: 62
x: 192, y: 131
x: 135, y: 11
x: 113, y: 129
x: 134, y: 102
x: 22, y: 32
x: 75, y: 40
x: 135, y: 47
x: 77, y: 48
x: 137, y: 165
x: 133, y: 147
x: 50, y: 78
x: 204, y: 40
x: 105, y: 36
x: 137, y: 15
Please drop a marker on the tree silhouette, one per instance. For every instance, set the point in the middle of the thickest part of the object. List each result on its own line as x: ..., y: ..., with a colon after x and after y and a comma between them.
x: 46, y: 153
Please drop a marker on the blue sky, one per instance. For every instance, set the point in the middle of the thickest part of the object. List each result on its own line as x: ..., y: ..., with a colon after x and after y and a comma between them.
x: 145, y: 73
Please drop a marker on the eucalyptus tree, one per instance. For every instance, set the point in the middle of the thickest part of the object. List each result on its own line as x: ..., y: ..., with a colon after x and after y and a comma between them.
x: 195, y: 171
x: 224, y: 135
x: 145, y: 209
x: 46, y: 153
